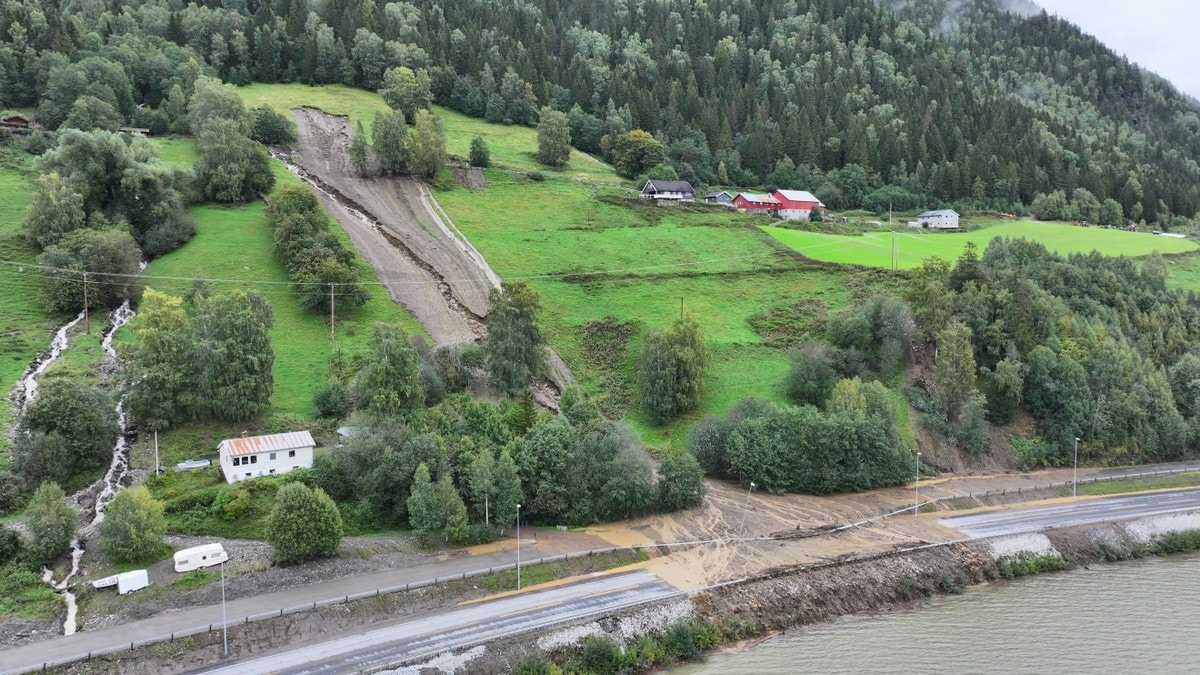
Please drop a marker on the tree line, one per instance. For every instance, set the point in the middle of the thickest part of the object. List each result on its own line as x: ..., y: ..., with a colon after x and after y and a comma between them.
x: 918, y: 101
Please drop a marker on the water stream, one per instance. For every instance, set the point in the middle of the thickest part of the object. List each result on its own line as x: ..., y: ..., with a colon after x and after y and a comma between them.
x: 104, y: 489
x: 27, y: 388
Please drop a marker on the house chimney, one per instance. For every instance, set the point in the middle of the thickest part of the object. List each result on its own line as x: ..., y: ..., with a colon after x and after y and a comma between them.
x: 245, y: 433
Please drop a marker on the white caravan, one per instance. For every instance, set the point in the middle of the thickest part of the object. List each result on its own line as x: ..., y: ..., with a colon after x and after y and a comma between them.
x: 197, y: 557
x: 126, y: 582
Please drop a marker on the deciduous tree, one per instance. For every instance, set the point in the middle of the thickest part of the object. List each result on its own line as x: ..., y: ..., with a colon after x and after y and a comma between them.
x: 516, y: 348
x: 134, y: 526
x: 391, y: 141
x: 304, y: 524
x: 554, y: 139
x: 50, y: 522
x: 479, y: 156
x: 406, y: 91
x: 428, y: 154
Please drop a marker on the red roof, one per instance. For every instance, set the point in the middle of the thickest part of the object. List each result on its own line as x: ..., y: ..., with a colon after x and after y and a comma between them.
x: 750, y: 200
x: 252, y: 445
x: 796, y: 199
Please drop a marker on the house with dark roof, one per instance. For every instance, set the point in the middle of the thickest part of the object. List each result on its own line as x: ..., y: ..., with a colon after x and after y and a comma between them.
x: 944, y: 219
x: 16, y: 122
x: 796, y: 204
x: 674, y: 190
x: 271, y: 455
x: 719, y: 198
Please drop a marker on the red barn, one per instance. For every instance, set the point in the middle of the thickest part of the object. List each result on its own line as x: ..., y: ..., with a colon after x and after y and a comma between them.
x: 748, y: 201
x: 15, y: 122
x: 796, y: 204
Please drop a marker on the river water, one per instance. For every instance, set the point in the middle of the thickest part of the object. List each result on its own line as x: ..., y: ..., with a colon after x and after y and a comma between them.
x: 1140, y: 616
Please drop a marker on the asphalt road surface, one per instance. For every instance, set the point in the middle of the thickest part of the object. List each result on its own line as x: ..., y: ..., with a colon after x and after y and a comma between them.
x: 468, y: 625
x: 1018, y: 521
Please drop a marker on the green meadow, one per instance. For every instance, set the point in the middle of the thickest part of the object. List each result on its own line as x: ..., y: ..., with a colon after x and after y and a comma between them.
x: 874, y: 249
x: 512, y: 146
x: 590, y: 255
x: 232, y: 249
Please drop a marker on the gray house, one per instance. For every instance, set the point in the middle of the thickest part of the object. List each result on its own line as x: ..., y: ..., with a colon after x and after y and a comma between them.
x: 674, y: 190
x: 719, y: 198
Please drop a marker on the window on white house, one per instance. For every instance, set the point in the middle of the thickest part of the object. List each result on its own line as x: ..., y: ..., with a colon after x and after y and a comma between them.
x: 272, y: 456
x: 237, y: 461
x: 291, y: 453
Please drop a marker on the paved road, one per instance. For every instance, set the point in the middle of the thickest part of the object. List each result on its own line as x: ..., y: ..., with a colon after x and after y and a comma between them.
x: 468, y: 625
x: 31, y: 656
x: 1017, y: 521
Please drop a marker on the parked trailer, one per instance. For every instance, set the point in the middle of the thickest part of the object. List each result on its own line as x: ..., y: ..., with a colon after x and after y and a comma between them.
x: 126, y: 582
x: 198, y: 557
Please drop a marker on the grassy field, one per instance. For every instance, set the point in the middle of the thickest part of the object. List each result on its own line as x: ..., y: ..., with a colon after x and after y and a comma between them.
x: 26, y: 327
x: 647, y: 260
x: 1179, y: 480
x: 234, y: 243
x: 874, y: 249
x: 511, y: 147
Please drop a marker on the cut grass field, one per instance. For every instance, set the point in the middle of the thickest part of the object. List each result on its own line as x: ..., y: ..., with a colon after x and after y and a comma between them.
x: 234, y: 243
x: 511, y: 146
x: 874, y: 249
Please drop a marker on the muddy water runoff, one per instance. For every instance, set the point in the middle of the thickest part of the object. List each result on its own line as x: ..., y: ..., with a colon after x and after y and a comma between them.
x: 1133, y: 617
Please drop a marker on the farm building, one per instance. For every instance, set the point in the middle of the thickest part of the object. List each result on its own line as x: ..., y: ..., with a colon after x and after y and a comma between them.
x: 749, y: 201
x: 252, y: 456
x: 675, y: 190
x: 16, y: 122
x: 719, y: 198
x: 796, y: 204
x: 945, y: 219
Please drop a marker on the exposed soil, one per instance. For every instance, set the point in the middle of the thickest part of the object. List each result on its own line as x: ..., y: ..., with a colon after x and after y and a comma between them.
x: 426, y: 265
x: 468, y: 176
x: 420, y: 256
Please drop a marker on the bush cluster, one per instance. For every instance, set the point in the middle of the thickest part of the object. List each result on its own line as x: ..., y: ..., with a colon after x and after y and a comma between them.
x: 317, y: 262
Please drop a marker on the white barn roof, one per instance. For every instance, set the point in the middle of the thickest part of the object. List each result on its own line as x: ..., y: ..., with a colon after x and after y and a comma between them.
x: 939, y: 212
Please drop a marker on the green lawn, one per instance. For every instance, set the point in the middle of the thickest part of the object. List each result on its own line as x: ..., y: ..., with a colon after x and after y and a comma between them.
x: 874, y: 249
x: 717, y: 262
x: 234, y: 243
x: 511, y: 147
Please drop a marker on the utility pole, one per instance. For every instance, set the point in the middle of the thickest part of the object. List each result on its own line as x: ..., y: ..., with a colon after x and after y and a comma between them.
x: 332, y: 336
x: 681, y: 308
x: 87, y: 318
x: 156, y: 452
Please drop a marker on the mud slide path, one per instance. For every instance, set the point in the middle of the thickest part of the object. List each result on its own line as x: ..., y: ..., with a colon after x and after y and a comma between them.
x: 420, y: 256
x: 426, y: 267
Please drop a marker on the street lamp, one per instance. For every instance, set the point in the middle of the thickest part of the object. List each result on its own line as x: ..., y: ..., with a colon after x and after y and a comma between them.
x: 917, y: 488
x: 518, y: 547
x: 745, y: 508
x: 224, y: 620
x: 1075, y: 478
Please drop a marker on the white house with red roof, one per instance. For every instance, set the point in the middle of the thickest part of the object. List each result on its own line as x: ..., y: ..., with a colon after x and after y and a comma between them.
x: 271, y: 455
x: 756, y: 203
x: 796, y: 204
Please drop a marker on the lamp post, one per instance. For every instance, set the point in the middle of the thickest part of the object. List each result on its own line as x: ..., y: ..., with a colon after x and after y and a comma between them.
x: 224, y: 620
x: 1075, y: 477
x: 917, y: 488
x: 518, y: 547
x: 745, y: 508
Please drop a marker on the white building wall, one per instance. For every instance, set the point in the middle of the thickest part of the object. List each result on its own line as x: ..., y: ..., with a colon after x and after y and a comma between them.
x: 795, y: 214
x: 283, y: 462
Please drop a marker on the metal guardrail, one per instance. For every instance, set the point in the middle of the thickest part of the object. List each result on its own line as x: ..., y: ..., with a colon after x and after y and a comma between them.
x: 343, y: 599
x: 426, y: 583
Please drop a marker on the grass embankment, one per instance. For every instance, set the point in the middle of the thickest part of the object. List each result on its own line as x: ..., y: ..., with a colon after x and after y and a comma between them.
x: 647, y: 260
x: 1122, y: 486
x: 511, y: 146
x: 874, y: 249
x: 532, y: 575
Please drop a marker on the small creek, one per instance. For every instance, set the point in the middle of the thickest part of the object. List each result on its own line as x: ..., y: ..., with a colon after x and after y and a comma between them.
x: 27, y: 388
x: 104, y: 489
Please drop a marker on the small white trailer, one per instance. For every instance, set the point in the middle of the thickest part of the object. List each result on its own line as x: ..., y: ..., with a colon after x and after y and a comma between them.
x: 126, y: 582
x: 197, y: 557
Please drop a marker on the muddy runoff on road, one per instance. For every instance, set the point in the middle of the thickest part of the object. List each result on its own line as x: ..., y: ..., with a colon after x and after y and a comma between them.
x: 394, y: 222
